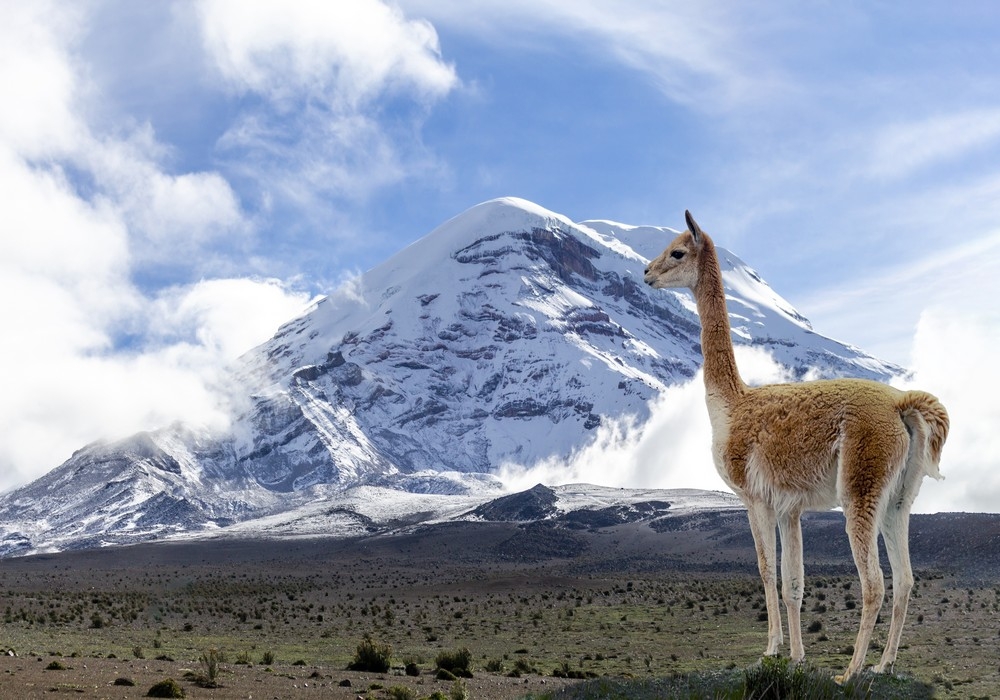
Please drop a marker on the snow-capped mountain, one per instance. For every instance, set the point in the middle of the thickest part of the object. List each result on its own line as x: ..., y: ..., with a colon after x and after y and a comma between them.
x: 509, y: 334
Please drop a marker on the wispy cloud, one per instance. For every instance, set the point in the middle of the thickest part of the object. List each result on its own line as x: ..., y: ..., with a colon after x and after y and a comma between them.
x: 313, y: 76
x: 700, y: 54
x: 905, y: 148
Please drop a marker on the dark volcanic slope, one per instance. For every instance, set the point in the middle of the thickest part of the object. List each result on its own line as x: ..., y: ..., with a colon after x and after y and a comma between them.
x: 537, y: 503
x: 964, y: 544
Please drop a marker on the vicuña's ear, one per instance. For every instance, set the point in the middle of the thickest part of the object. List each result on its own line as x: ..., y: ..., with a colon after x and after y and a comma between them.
x: 693, y: 227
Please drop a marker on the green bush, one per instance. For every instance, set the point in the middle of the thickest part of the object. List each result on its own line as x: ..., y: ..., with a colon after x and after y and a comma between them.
x: 494, y: 666
x: 522, y: 668
x: 458, y: 690
x: 458, y: 662
x: 401, y: 692
x: 771, y: 678
x: 371, y: 656
x: 167, y: 688
x: 210, y: 664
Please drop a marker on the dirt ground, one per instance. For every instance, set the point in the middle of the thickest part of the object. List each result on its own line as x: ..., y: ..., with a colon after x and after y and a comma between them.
x: 28, y: 678
x: 286, y: 617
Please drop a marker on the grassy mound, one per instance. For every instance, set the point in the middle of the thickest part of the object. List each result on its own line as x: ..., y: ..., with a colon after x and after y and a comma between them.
x: 772, y: 679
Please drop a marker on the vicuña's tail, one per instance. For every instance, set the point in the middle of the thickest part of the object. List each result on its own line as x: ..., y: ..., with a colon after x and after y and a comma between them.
x: 927, y: 421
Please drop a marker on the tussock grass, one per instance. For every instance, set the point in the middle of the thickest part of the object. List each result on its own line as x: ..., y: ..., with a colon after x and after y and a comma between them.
x: 771, y: 679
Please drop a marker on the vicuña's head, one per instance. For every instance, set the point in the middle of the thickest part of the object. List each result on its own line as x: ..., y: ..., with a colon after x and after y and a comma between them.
x: 677, y: 266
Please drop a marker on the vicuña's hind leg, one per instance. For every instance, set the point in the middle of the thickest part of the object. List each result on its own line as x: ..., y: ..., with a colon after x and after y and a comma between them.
x: 896, y: 535
x: 762, y: 524
x: 863, y: 535
x: 792, y: 579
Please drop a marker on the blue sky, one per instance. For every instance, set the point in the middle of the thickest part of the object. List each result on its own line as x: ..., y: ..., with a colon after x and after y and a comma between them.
x: 181, y: 177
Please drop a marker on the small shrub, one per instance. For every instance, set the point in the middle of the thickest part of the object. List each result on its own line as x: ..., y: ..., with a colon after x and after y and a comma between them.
x: 138, y: 652
x: 814, y: 626
x: 444, y: 674
x: 210, y: 665
x: 371, y: 656
x: 167, y: 688
x: 55, y: 666
x: 564, y: 671
x: 457, y: 661
x: 412, y: 669
x: 521, y: 668
x: 494, y: 666
x: 458, y: 690
x: 127, y: 682
x: 268, y: 658
x: 401, y: 692
x: 772, y: 678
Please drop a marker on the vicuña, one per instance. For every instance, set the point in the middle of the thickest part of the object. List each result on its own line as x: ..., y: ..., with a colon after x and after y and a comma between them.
x: 789, y: 448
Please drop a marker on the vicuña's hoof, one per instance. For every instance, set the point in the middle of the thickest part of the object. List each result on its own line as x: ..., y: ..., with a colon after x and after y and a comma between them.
x: 840, y: 679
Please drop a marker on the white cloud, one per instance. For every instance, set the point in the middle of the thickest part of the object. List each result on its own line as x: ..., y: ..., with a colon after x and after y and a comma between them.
x: 672, y: 449
x: 697, y: 53
x: 169, y: 216
x: 954, y: 357
x: 65, y: 385
x: 37, y: 81
x: 343, y: 53
x: 226, y: 317
x: 904, y: 148
x: 325, y: 72
x: 87, y: 353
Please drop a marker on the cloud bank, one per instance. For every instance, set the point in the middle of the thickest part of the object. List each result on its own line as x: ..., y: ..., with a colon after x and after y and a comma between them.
x: 88, y: 351
x: 952, y: 359
x: 672, y: 449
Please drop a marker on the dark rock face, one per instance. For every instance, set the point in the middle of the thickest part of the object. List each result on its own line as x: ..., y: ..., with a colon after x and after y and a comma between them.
x: 537, y: 503
x: 586, y: 519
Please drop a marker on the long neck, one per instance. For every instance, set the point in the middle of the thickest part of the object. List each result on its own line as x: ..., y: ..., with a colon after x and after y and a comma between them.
x: 722, y: 378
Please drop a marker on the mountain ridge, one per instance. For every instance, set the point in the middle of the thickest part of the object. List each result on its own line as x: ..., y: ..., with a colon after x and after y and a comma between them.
x: 508, y: 335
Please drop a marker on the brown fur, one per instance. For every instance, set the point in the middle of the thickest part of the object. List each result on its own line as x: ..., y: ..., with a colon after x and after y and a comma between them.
x: 789, y: 448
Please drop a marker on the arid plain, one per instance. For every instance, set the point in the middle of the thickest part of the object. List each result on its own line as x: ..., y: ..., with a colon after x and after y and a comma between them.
x: 537, y: 605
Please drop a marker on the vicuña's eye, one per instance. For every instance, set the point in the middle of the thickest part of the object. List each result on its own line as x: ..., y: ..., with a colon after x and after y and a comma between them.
x: 677, y: 254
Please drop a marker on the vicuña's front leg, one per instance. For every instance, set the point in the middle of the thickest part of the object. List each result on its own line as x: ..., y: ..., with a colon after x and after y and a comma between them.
x: 762, y: 524
x: 792, y: 579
